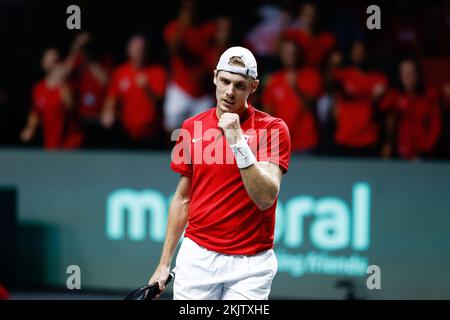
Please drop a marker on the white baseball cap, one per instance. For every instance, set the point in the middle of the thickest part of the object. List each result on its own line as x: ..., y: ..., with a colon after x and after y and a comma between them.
x: 247, y: 57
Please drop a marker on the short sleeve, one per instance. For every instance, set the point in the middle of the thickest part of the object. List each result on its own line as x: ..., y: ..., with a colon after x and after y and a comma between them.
x: 181, y: 153
x: 274, y: 145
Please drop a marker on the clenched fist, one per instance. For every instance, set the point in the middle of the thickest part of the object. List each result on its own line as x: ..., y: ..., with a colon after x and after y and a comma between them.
x: 229, y: 123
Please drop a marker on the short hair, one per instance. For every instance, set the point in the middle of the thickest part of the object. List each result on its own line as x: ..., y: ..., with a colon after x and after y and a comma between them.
x: 236, y: 61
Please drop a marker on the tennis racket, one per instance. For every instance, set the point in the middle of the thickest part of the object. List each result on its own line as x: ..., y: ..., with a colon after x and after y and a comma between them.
x: 149, y: 291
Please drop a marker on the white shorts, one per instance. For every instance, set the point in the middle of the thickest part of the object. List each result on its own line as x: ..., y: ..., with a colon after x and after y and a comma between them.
x: 202, y: 274
x: 178, y: 106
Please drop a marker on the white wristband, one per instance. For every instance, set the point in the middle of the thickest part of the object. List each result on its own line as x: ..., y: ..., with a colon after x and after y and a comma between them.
x: 243, y: 154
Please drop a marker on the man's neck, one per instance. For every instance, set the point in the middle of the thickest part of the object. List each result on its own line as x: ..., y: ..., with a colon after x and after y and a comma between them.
x: 291, y: 69
x: 136, y: 64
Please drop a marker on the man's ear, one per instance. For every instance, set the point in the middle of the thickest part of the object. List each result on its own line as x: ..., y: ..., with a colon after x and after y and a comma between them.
x: 255, y: 85
x: 214, y: 78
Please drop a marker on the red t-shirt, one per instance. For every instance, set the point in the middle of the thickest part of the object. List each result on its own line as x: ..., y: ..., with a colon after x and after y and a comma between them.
x: 60, y: 129
x: 356, y: 126
x: 315, y: 47
x: 92, y: 93
x: 138, y: 112
x: 285, y: 104
x: 222, y: 217
x: 189, y: 72
x: 419, y: 121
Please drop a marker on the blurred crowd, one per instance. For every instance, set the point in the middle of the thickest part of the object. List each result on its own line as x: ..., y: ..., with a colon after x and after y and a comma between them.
x: 327, y: 85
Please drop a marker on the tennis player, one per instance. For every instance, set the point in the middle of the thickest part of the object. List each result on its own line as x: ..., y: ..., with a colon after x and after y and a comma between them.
x: 227, y: 206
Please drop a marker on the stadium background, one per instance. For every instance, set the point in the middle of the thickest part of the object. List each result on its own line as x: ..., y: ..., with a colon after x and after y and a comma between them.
x: 339, y: 213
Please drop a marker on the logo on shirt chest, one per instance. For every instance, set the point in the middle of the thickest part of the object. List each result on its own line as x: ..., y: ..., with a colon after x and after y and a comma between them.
x: 89, y: 99
x: 247, y: 138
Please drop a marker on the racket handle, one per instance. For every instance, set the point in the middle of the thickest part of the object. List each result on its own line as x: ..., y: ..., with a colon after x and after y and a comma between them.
x: 170, y: 277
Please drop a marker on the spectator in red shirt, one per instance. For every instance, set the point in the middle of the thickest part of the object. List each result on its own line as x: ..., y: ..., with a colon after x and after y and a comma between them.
x: 356, y: 118
x: 413, y: 122
x: 316, y: 45
x: 53, y: 107
x: 291, y: 94
x: 135, y: 97
x: 88, y: 80
x: 92, y: 80
x: 188, y: 43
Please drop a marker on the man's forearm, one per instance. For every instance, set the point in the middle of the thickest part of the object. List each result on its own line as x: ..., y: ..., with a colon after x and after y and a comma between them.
x: 260, y: 184
x: 33, y: 121
x: 178, y: 216
x: 261, y: 179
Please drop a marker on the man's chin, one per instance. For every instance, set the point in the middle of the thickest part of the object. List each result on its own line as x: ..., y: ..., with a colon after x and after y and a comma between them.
x: 225, y: 108
x: 230, y: 109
